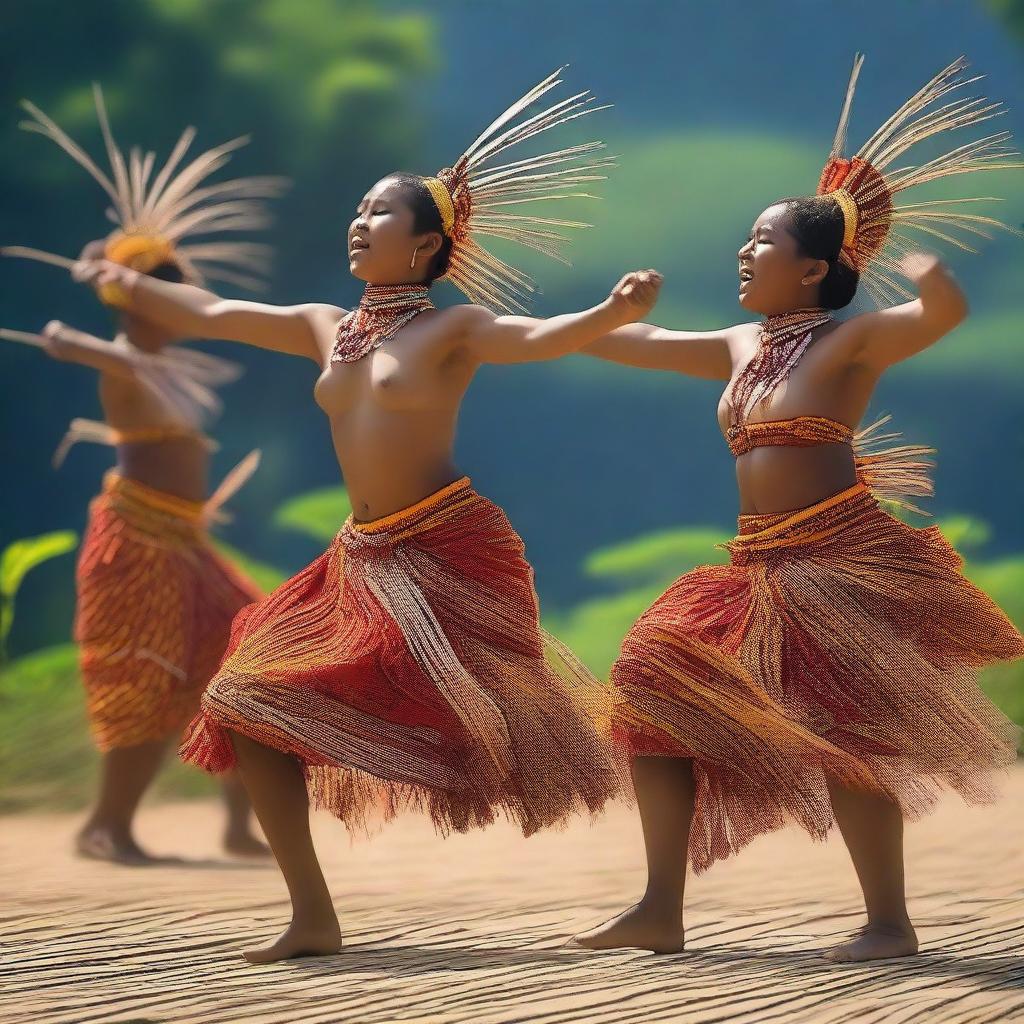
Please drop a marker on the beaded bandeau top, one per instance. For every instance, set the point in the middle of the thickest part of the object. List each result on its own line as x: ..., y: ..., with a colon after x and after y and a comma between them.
x: 798, y: 432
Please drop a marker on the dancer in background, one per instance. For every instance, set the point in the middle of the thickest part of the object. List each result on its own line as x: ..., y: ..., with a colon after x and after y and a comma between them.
x: 155, y: 601
x: 860, y: 627
x: 406, y: 667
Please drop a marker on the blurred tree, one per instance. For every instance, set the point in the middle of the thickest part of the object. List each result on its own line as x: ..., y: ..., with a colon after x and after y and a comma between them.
x: 329, y: 91
x: 1011, y: 13
x: 323, y: 86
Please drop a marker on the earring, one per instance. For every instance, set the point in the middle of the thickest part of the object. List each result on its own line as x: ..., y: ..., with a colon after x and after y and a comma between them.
x: 415, y: 253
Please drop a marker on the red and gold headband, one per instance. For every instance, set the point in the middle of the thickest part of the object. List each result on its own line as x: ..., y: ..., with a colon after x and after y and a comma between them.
x: 472, y: 201
x: 864, y: 188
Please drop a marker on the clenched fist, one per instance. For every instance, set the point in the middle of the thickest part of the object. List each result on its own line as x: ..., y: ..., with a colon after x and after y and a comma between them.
x: 917, y: 265
x: 113, y: 283
x: 59, y: 344
x: 636, y: 294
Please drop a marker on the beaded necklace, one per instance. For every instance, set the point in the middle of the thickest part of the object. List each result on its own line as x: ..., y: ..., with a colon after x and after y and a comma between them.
x: 382, y: 312
x: 783, y: 340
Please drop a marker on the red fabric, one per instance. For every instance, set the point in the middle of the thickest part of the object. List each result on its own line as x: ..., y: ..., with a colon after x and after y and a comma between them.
x: 406, y: 666
x: 861, y: 631
x: 155, y: 606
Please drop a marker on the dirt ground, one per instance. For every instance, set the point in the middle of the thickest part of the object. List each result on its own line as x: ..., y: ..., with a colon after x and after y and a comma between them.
x: 469, y: 929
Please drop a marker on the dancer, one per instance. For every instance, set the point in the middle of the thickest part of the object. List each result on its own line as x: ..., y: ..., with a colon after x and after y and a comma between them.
x: 154, y: 600
x: 861, y: 627
x: 406, y: 666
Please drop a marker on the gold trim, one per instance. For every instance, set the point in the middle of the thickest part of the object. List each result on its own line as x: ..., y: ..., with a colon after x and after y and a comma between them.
x: 160, y: 501
x: 796, y: 517
x: 848, y: 205
x: 443, y: 201
x: 369, y: 526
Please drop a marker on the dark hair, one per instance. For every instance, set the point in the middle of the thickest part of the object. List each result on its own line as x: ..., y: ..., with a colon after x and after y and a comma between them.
x: 816, y: 222
x: 425, y: 217
x: 168, y: 272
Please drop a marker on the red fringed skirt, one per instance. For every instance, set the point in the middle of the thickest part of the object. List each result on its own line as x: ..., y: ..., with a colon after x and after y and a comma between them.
x: 154, y: 613
x: 406, y: 667
x: 859, y: 630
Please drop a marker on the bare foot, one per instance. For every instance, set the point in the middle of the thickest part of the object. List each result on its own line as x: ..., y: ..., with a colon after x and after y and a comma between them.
x: 874, y: 942
x: 245, y: 844
x: 315, y: 939
x: 99, y: 842
x: 641, y: 927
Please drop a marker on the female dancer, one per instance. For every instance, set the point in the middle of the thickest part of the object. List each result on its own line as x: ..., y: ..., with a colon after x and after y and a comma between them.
x: 861, y: 627
x: 155, y: 601
x: 406, y: 666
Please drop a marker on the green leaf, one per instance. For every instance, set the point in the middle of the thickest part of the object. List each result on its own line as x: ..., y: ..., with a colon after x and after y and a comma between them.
x: 17, y: 560
x: 266, y: 577
x: 965, y: 532
x: 594, y: 628
x: 663, y: 555
x: 318, y: 514
x: 24, y: 555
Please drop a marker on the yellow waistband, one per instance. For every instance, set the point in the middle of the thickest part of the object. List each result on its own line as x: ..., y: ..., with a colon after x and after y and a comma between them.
x: 159, y: 501
x: 395, y: 518
x: 790, y: 520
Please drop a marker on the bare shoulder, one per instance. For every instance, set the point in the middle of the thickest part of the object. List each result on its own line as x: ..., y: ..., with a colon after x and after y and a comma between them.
x: 846, y: 335
x: 740, y: 337
x: 322, y: 320
x: 321, y: 313
x: 463, y: 318
x: 856, y: 324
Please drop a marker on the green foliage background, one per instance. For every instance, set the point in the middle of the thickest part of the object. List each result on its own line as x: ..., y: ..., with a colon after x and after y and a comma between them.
x: 617, y: 479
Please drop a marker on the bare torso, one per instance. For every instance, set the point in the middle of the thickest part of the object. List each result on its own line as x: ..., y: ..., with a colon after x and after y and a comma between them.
x: 178, y: 466
x: 393, y: 414
x: 824, y: 383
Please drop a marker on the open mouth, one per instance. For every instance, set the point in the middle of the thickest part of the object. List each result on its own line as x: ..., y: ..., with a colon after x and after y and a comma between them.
x: 357, y: 245
x: 746, y: 274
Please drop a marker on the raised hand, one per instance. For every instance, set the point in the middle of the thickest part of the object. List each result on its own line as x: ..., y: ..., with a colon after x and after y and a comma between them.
x: 94, y: 250
x: 636, y: 294
x: 113, y: 282
x: 63, y: 342
x: 917, y: 265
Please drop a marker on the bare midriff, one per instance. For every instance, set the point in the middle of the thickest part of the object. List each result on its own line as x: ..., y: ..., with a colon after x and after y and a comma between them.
x: 168, y: 458
x: 778, y: 479
x: 784, y: 477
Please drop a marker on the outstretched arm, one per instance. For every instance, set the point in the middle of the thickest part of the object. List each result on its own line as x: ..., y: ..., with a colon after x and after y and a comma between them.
x: 520, y: 339
x: 71, y: 346
x: 694, y: 353
x: 194, y: 312
x: 889, y: 336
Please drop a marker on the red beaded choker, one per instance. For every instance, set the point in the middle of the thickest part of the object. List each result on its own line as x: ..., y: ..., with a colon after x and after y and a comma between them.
x: 784, y: 337
x: 382, y: 312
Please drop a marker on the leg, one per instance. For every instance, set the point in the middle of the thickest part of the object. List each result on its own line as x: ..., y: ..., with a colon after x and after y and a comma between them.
x: 126, y: 774
x: 872, y: 829
x: 664, y: 794
x: 278, y: 790
x: 238, y: 835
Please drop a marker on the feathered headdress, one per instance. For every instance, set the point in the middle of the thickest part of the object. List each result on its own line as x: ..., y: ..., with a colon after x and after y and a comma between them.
x: 864, y: 187
x: 473, y: 201
x: 157, y: 216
